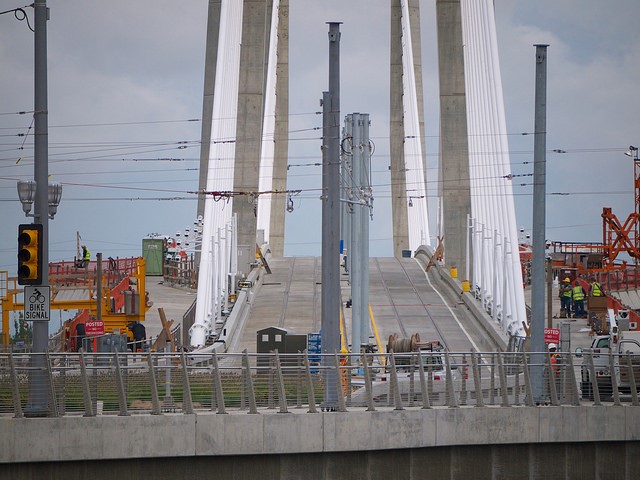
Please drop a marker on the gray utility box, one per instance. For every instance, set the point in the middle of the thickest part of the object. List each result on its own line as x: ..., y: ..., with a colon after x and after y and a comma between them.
x: 281, y: 339
x: 131, y: 303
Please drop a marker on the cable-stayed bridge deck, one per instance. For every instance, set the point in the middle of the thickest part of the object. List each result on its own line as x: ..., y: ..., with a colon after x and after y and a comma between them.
x: 403, y: 300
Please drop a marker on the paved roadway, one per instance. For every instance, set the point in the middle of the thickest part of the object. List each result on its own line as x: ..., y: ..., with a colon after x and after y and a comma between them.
x: 175, y: 302
x: 290, y: 298
x: 402, y: 299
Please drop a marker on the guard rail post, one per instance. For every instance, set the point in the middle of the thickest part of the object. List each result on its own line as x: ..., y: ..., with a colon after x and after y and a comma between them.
x: 299, y: 380
x: 153, y: 386
x: 393, y: 385
x: 412, y: 383
x: 122, y: 396
x: 594, y: 380
x: 430, y: 379
x: 62, y: 399
x: 492, y: 380
x: 310, y: 391
x: 187, y: 401
x: 367, y: 383
x: 282, y: 395
x: 614, y: 381
x: 218, y: 393
x: 503, y: 382
x: 53, y: 405
x: 253, y: 409
x: 527, y: 382
x: 516, y: 386
x: 271, y: 403
x: 477, y: 379
x: 86, y: 392
x: 452, y: 401
x: 632, y: 382
x: 424, y: 388
x: 573, y: 383
x: 15, y: 390
x: 463, y: 380
x: 551, y: 380
x: 348, y: 374
x: 341, y: 403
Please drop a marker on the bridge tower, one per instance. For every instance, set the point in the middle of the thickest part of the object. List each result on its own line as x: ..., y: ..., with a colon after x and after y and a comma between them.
x: 253, y: 83
x: 250, y: 40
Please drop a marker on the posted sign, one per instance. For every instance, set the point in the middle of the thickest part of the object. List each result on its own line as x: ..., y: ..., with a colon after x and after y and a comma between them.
x: 94, y: 328
x: 551, y: 335
x: 37, y: 303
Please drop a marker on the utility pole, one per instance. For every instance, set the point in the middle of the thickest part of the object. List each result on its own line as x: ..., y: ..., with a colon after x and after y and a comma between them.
x: 331, y: 213
x: 539, y: 226
x: 37, y: 404
x: 360, y: 201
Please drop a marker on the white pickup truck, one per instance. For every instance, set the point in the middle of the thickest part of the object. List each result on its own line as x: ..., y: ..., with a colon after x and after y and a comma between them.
x: 622, y: 344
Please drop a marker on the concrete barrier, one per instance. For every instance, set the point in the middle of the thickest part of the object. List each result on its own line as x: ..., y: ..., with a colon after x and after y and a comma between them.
x: 208, y: 434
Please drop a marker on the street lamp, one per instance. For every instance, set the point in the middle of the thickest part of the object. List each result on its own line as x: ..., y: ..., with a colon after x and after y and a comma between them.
x: 632, y: 152
x: 27, y: 194
x: 55, y: 194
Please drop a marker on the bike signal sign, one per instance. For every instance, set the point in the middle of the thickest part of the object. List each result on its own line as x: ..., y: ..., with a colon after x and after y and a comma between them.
x: 37, y: 303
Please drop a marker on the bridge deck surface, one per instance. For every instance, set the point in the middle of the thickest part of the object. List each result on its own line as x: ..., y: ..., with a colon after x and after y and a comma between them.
x: 402, y: 300
x: 291, y: 297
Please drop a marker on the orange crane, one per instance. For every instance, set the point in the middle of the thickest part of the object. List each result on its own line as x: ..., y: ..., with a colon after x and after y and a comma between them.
x: 618, y: 237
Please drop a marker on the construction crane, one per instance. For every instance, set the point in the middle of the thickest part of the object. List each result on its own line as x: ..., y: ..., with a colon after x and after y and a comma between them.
x: 618, y: 237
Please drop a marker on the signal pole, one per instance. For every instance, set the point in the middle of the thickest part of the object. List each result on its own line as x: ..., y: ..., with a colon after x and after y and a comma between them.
x: 38, y: 388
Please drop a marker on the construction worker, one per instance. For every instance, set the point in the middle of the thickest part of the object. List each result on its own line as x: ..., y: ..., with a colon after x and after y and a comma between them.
x: 577, y: 295
x: 554, y: 355
x: 596, y: 289
x: 139, y: 336
x: 554, y: 360
x: 565, y: 298
x: 86, y: 257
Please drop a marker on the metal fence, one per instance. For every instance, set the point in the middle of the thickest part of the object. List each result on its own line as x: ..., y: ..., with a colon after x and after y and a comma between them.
x: 154, y: 383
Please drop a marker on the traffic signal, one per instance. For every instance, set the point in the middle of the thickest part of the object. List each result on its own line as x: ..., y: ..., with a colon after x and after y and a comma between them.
x: 30, y: 254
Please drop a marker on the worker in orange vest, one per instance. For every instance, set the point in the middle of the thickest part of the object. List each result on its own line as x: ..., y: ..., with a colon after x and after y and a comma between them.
x: 554, y: 358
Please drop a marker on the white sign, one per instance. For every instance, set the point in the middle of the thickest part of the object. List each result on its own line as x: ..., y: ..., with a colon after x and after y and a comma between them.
x: 37, y: 303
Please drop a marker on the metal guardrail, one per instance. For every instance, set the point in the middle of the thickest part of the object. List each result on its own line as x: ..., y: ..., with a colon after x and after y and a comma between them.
x: 85, y: 384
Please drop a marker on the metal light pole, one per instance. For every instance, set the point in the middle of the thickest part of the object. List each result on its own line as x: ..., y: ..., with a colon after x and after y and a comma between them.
x: 331, y: 213
x: 539, y: 225
x: 37, y: 404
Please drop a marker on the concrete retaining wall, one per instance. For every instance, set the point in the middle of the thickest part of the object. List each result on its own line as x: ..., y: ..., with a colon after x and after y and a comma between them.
x: 462, y: 443
x: 177, y: 435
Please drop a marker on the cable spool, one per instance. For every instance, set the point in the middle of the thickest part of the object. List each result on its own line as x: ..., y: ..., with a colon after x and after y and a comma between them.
x: 403, y: 345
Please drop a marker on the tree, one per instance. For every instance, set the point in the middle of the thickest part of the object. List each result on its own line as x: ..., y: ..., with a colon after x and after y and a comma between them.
x: 23, y: 331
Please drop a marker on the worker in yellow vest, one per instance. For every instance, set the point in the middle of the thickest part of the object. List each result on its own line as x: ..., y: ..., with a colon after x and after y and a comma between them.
x: 596, y: 289
x: 86, y: 256
x: 577, y: 295
x: 565, y: 298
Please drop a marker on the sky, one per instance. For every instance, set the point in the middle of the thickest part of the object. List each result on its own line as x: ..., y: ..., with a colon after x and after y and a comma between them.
x: 125, y: 83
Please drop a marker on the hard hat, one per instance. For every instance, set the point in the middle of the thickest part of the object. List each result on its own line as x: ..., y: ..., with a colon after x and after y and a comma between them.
x: 552, y: 345
x: 567, y: 279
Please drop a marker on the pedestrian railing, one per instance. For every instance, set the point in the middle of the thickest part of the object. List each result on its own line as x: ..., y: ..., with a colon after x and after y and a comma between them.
x: 89, y: 384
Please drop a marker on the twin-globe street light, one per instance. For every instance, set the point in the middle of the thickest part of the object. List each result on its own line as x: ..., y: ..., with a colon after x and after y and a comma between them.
x: 27, y: 194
